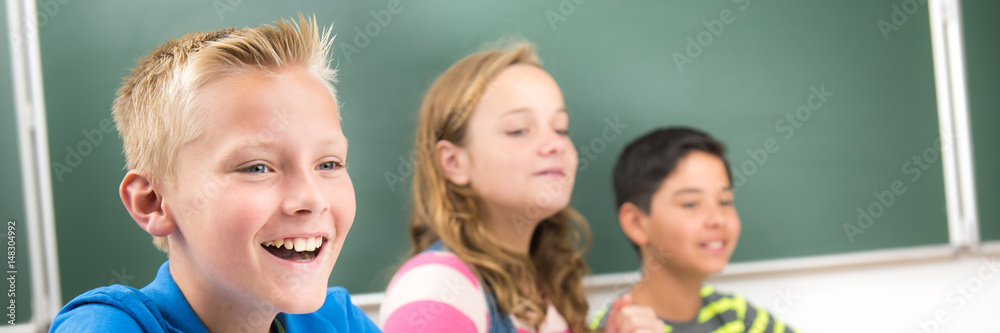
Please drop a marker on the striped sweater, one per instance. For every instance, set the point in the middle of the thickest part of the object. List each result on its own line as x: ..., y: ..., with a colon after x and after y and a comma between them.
x: 436, y: 292
x: 719, y: 314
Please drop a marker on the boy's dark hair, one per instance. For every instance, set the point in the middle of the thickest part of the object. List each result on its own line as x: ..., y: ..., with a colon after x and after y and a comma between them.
x: 646, y: 162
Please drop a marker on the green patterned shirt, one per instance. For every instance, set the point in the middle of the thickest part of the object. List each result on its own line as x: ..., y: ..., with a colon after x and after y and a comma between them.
x: 719, y: 314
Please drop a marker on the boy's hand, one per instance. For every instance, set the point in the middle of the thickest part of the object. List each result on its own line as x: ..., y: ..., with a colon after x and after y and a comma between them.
x: 625, y: 317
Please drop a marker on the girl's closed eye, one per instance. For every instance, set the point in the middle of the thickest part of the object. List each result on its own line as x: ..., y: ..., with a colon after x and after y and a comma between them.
x: 563, y: 132
x: 517, y: 132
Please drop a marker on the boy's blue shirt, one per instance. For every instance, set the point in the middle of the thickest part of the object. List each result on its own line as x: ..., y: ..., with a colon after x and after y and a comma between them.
x: 160, y: 307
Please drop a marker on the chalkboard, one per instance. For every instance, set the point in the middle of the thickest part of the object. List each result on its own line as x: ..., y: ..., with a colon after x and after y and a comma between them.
x: 983, y: 77
x: 11, y: 191
x: 735, y: 68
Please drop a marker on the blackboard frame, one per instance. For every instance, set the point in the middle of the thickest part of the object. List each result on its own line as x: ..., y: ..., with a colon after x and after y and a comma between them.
x: 32, y: 142
x: 952, y: 236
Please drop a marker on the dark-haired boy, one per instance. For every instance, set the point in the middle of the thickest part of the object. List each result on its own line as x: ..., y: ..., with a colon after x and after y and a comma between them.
x: 675, y: 204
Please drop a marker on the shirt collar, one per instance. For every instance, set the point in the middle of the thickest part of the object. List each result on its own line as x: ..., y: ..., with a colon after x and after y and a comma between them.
x: 168, y: 299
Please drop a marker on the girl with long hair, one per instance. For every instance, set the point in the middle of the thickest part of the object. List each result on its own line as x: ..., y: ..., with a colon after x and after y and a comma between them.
x: 496, y: 246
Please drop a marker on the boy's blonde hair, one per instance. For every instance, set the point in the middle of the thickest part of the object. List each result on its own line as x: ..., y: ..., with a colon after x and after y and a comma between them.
x: 153, y: 109
x: 450, y: 213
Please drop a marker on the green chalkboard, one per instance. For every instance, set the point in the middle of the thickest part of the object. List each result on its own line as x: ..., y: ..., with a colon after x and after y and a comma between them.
x: 11, y: 192
x: 983, y: 78
x: 734, y: 68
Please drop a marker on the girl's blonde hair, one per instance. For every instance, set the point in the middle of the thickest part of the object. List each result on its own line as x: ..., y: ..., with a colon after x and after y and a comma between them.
x: 154, y: 108
x: 445, y: 211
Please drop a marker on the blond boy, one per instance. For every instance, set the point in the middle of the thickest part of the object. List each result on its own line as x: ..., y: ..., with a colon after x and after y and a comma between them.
x: 237, y: 167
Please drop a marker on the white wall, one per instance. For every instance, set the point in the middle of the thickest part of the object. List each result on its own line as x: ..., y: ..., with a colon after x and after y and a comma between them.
x: 897, y: 297
x: 905, y: 297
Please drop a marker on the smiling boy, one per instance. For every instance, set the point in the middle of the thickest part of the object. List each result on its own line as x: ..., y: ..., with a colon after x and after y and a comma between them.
x: 675, y: 204
x: 237, y: 167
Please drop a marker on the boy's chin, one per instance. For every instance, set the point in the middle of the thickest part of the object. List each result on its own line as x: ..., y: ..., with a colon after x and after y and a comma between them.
x: 306, y: 299
x: 301, y: 304
x: 715, y: 268
x: 713, y: 271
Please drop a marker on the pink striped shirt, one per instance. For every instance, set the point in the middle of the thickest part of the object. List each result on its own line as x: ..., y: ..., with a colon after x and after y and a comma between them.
x: 436, y: 292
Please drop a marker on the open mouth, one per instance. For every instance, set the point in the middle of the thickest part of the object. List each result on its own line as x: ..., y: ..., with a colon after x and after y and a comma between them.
x: 714, y: 245
x: 295, y: 249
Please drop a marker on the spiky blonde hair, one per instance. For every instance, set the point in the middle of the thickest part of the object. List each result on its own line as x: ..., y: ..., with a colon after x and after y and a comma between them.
x: 153, y: 107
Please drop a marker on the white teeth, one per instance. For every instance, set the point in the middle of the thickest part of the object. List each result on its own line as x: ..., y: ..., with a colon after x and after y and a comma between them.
x: 299, y: 244
x: 714, y: 245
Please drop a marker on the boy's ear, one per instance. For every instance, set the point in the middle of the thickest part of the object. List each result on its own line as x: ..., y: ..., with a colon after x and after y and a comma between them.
x: 145, y: 204
x: 633, y: 222
x: 454, y: 162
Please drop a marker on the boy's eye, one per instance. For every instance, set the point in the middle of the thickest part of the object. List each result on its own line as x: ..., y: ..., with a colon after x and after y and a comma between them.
x: 689, y: 204
x: 256, y: 168
x: 331, y: 165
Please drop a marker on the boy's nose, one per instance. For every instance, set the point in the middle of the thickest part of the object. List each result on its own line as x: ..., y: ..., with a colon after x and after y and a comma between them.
x: 303, y: 195
x: 717, y: 217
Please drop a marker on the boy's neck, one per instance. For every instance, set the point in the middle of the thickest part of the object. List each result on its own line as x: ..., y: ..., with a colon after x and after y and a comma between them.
x: 675, y: 296
x: 217, y: 312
